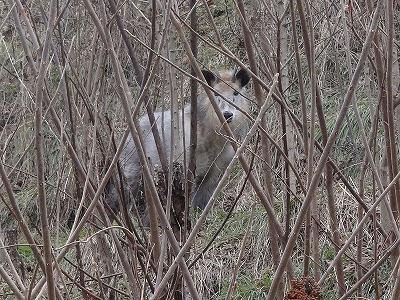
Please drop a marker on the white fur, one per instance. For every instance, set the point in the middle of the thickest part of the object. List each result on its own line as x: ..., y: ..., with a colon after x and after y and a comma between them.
x: 213, y: 152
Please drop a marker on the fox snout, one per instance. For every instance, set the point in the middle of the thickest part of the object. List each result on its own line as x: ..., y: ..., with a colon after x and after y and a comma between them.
x: 228, y: 116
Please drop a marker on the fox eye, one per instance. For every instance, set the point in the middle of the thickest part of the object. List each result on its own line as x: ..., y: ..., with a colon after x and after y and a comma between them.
x: 216, y: 94
x: 235, y: 93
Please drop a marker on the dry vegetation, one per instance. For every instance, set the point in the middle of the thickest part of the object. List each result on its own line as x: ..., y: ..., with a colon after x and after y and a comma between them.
x: 309, y: 212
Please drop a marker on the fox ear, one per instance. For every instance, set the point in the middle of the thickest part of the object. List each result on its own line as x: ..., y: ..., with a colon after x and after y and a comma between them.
x: 243, y: 77
x: 210, y: 77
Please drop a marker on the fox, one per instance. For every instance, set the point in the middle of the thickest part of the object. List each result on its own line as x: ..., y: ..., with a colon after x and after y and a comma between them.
x: 213, y: 152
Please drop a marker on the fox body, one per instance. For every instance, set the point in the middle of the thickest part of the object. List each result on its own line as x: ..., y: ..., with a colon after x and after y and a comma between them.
x: 213, y: 151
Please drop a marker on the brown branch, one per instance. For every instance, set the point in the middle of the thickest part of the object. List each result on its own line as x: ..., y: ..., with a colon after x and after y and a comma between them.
x: 325, y: 154
x: 40, y: 87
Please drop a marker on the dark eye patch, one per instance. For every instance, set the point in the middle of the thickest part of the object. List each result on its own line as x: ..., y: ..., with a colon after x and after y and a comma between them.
x: 235, y: 93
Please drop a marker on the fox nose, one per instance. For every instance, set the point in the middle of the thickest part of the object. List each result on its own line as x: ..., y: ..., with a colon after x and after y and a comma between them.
x: 228, y: 116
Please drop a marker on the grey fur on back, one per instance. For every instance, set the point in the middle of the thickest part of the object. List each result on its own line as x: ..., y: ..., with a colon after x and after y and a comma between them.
x: 213, y: 152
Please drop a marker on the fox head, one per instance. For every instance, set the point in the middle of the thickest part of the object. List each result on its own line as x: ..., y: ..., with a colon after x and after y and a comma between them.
x: 228, y: 85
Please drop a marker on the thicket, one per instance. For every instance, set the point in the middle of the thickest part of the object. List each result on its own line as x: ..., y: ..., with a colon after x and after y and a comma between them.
x: 311, y: 208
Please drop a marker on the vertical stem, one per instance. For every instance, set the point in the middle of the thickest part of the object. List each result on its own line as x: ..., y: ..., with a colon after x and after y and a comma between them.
x: 311, y: 225
x: 389, y: 106
x: 40, y: 87
x: 306, y: 135
x: 265, y: 143
x: 193, y: 108
x: 393, y: 150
